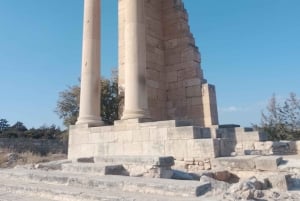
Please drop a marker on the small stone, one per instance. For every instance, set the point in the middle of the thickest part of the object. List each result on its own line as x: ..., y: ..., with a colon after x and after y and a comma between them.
x: 86, y: 160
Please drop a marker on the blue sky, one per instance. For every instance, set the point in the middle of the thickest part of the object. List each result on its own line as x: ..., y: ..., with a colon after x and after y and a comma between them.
x: 250, y: 49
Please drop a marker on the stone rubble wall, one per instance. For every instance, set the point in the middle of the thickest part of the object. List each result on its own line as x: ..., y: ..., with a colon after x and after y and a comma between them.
x: 245, y: 141
x: 175, y: 82
x: 39, y: 146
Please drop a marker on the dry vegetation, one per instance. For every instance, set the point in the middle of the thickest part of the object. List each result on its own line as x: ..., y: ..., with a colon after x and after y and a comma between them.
x: 10, y: 159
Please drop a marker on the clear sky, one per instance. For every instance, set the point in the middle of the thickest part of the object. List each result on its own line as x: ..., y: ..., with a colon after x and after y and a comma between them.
x: 250, y: 49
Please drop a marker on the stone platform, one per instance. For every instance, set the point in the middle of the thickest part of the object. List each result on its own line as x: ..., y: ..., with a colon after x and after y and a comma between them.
x: 193, y: 144
x: 44, y: 185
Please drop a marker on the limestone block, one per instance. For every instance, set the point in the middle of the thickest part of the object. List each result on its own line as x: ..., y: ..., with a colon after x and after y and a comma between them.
x: 141, y: 135
x: 186, y: 132
x: 226, y: 133
x: 181, y: 175
x: 147, y: 160
x: 158, y: 134
x: 173, y: 43
x: 284, y: 147
x: 279, y: 181
x: 153, y: 148
x: 193, y: 91
x: 153, y: 84
x: 194, y: 101
x: 192, y: 82
x: 201, y: 148
x: 86, y: 150
x: 176, y: 148
x: 172, y: 76
x: 124, y: 136
x: 235, y: 163
x: 79, y: 136
x: 227, y: 146
x: 132, y: 148
x: 268, y: 163
x: 172, y: 57
x: 264, y: 146
x: 152, y: 74
x: 101, y: 129
x: 113, y: 149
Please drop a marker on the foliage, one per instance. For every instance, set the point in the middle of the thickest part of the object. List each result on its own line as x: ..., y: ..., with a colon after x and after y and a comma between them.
x: 19, y: 130
x: 109, y: 100
x: 44, y: 132
x: 68, y: 104
x: 282, y: 120
x: 3, y: 125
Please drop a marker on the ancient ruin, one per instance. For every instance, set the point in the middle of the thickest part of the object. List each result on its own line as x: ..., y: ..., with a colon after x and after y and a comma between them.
x: 169, y: 144
x: 160, y: 76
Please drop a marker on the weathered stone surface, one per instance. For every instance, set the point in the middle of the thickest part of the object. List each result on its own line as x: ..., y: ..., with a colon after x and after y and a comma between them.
x: 118, y: 184
x: 86, y: 160
x: 267, y: 162
x: 246, y: 190
x: 53, y: 165
x: 180, y: 175
x: 217, y: 187
x: 160, y: 161
x: 95, y: 168
x: 279, y: 181
x: 235, y: 163
x: 173, y: 74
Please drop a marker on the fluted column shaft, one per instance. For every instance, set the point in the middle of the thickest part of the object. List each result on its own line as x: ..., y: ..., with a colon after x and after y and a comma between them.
x: 89, y: 112
x: 136, y: 99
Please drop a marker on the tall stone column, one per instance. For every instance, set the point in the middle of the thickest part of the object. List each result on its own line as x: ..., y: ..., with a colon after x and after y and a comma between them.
x: 89, y: 112
x: 136, y: 99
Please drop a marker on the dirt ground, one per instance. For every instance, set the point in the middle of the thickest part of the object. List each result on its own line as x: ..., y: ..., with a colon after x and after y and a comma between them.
x: 10, y: 159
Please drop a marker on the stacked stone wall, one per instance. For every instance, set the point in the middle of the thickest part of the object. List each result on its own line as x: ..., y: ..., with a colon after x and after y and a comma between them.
x: 173, y: 75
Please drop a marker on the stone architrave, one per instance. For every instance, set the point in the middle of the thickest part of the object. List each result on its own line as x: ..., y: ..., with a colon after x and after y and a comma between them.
x: 136, y: 99
x: 89, y: 112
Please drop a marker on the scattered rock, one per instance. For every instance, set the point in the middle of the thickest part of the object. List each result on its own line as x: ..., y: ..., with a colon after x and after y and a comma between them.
x: 248, y: 189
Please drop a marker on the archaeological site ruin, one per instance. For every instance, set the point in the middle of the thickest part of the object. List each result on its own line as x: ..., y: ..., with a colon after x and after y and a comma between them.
x: 169, y: 144
x: 170, y: 109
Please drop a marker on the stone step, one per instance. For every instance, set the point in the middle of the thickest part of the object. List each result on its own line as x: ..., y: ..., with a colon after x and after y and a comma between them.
x: 12, y: 196
x: 248, y: 163
x: 161, y: 161
x: 161, y: 187
x: 95, y: 168
x: 12, y: 189
x: 157, y: 124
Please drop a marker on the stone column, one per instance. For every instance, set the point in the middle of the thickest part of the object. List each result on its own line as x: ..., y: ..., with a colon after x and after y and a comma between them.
x: 89, y: 112
x: 136, y: 98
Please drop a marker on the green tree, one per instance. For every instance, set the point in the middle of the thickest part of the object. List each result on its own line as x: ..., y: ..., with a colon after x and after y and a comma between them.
x: 44, y: 132
x: 68, y: 104
x: 110, y: 99
x: 3, y: 125
x: 282, y: 120
x: 16, y: 130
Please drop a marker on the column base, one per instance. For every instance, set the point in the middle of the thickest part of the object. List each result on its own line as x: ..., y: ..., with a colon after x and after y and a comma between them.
x: 91, y: 121
x: 136, y: 114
